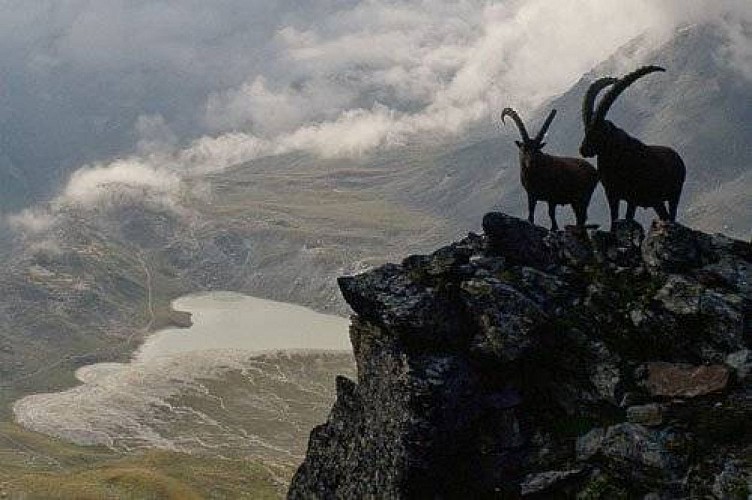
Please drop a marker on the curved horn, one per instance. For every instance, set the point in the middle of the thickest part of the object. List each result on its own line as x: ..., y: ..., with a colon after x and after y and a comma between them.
x: 588, y: 103
x: 619, y: 87
x: 516, y: 118
x: 544, y: 128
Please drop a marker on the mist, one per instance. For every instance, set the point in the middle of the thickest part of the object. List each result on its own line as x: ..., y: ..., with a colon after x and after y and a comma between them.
x: 137, y: 95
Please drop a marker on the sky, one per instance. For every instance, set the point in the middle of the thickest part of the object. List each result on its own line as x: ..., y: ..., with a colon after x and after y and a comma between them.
x: 98, y: 95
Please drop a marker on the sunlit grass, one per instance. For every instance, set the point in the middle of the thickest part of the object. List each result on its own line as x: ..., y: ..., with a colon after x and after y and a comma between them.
x: 37, y: 466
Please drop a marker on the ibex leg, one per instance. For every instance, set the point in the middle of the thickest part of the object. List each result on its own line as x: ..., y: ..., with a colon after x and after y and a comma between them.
x: 580, y: 213
x: 613, y: 206
x: 631, y: 209
x: 552, y: 215
x: 531, y: 202
x: 673, y: 207
x: 660, y: 209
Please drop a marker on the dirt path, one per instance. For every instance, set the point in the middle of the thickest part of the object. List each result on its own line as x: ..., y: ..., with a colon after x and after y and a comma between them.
x: 149, y: 299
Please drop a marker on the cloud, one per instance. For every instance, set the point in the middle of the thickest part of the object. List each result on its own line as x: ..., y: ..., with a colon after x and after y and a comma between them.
x: 740, y: 49
x: 97, y: 184
x: 380, y: 73
x: 210, y: 154
x: 31, y: 220
x: 104, y: 186
x: 77, y: 74
x: 738, y: 31
x: 155, y: 136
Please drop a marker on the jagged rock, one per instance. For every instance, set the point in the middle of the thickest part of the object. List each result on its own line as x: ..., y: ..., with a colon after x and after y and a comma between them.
x: 673, y: 248
x: 590, y: 443
x: 717, y: 321
x: 684, y: 380
x: 631, y: 399
x: 543, y: 483
x: 622, y: 247
x: 733, y: 481
x: 632, y: 447
x: 517, y: 240
x: 648, y: 415
x: 629, y: 235
x: 481, y: 364
x: 371, y: 447
x: 605, y: 373
x: 680, y: 296
x: 606, y: 378
x: 741, y: 362
x: 507, y: 319
x: 389, y: 297
x: 572, y: 246
x: 504, y: 399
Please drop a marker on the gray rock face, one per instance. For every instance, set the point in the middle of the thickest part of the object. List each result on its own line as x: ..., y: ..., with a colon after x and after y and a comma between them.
x: 546, y: 365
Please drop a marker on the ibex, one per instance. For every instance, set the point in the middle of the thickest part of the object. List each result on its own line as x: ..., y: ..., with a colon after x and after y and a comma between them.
x: 555, y: 179
x: 643, y: 176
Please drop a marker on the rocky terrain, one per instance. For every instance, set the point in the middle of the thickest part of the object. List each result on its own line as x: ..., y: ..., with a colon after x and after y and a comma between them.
x: 537, y: 364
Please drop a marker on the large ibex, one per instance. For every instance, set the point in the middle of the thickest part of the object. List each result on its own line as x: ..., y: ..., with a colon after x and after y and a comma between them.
x: 555, y: 179
x: 643, y: 176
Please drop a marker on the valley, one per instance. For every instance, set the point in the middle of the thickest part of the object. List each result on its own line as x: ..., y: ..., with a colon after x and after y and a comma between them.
x: 248, y: 379
x: 252, y: 411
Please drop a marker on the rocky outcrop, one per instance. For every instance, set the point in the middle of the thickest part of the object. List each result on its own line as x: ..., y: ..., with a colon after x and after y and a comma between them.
x: 537, y: 364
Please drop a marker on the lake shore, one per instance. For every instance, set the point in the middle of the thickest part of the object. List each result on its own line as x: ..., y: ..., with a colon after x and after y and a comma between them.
x: 230, y: 333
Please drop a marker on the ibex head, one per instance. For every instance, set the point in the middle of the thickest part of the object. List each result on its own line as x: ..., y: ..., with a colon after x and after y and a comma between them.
x: 528, y: 145
x: 597, y: 128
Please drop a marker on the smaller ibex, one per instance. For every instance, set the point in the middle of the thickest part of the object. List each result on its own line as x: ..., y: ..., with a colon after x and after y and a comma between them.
x: 555, y: 179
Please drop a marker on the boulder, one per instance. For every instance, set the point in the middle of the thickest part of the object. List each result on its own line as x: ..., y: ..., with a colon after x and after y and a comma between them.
x: 517, y: 240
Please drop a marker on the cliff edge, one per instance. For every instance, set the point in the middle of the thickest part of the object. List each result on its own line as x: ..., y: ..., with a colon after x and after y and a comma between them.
x: 537, y: 364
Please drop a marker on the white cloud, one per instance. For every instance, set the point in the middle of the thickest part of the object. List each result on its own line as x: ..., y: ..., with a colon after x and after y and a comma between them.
x: 353, y: 133
x: 738, y: 51
x: 209, y: 154
x: 740, y: 48
x: 97, y: 184
x: 155, y: 136
x: 381, y: 72
x: 31, y: 221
